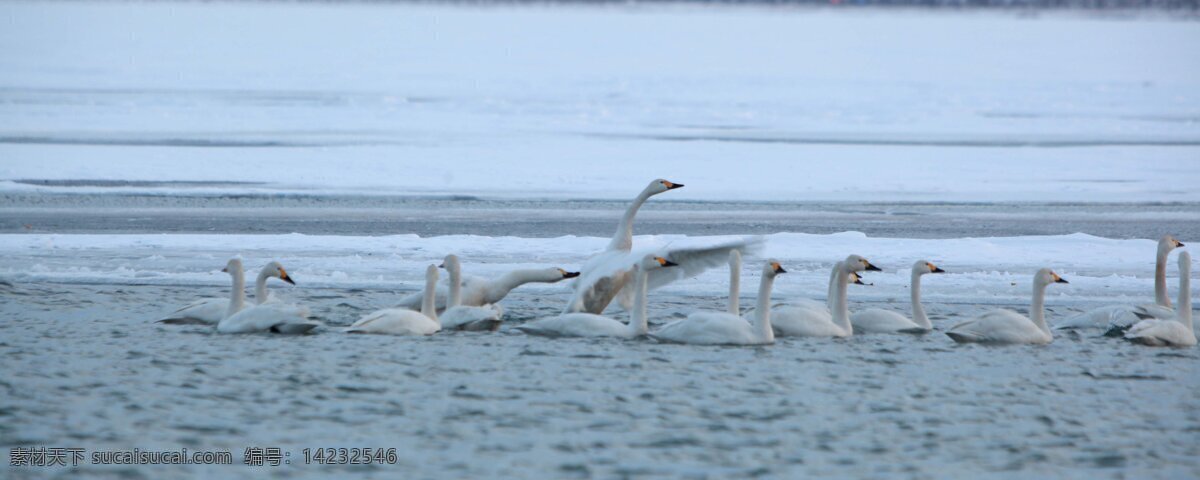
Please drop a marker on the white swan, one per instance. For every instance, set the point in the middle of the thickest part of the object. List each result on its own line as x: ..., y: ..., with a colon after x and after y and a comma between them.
x: 725, y: 328
x: 479, y: 291
x: 1121, y: 317
x: 1007, y: 326
x: 402, y: 321
x: 1178, y: 332
x: 581, y: 324
x: 265, y: 317
x: 809, y: 320
x: 607, y: 273
x: 210, y: 311
x: 876, y: 320
x: 465, y: 317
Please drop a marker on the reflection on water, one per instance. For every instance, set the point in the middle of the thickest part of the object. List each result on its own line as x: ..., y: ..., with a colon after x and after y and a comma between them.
x: 84, y: 365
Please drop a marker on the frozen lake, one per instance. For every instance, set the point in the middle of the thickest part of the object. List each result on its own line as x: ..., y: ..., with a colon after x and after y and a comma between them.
x: 143, y: 144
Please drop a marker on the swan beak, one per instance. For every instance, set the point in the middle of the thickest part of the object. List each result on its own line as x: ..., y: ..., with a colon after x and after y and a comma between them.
x: 284, y: 276
x: 570, y: 274
x: 938, y: 270
x: 225, y: 270
x: 666, y: 263
x: 441, y: 265
x: 1178, y: 244
x: 872, y: 268
x: 858, y: 281
x: 778, y: 268
x: 672, y: 185
x: 1058, y: 279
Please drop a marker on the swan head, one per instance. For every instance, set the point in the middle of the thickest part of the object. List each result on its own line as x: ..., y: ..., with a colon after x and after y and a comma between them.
x: 858, y: 264
x: 1047, y: 276
x: 233, y: 266
x: 274, y: 269
x: 650, y: 262
x: 1168, y: 243
x: 563, y: 274
x: 660, y: 185
x: 450, y: 262
x: 431, y: 273
x: 773, y: 268
x: 923, y: 266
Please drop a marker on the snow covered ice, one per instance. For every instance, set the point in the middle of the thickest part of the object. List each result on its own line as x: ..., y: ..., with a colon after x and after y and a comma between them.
x: 143, y: 144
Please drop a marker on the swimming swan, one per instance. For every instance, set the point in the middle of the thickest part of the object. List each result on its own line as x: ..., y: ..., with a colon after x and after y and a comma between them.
x: 402, y: 321
x: 876, y: 320
x: 479, y: 291
x: 807, y: 320
x: 1178, y: 332
x: 724, y: 328
x: 605, y: 275
x: 265, y: 317
x: 210, y: 311
x: 1121, y: 317
x: 579, y: 324
x: 1007, y: 326
x: 464, y: 317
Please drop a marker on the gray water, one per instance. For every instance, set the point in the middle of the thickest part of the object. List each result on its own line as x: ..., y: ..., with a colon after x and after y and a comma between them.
x: 84, y: 366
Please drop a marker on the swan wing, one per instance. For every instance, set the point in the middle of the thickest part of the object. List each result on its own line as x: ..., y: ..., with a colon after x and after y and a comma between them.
x: 208, y: 311
x: 877, y: 320
x: 998, y: 326
x: 1153, y: 310
x: 804, y: 321
x: 268, y: 318
x: 395, y: 321
x: 576, y: 325
x: 707, y: 328
x: 472, y: 318
x: 1155, y: 332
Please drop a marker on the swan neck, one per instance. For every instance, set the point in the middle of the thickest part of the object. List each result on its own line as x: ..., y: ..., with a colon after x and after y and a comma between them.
x: 763, y: 309
x: 735, y: 286
x: 623, y: 239
x: 237, y: 298
x: 455, y: 286
x: 1160, y: 278
x: 841, y: 309
x: 917, y: 309
x: 506, y: 283
x: 260, y: 287
x: 830, y: 293
x: 1185, y: 296
x: 429, y: 301
x: 638, y: 323
x: 1037, y: 311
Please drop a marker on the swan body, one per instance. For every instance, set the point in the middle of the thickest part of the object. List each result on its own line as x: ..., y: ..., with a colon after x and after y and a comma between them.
x: 724, y: 328
x: 465, y: 317
x: 582, y: 324
x: 877, y: 320
x: 1007, y: 326
x: 210, y: 311
x: 265, y: 317
x: 479, y: 291
x: 402, y: 321
x: 1120, y: 317
x: 1178, y: 332
x: 810, y: 320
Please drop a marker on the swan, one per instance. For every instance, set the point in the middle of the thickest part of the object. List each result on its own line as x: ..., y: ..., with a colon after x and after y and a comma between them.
x: 876, y: 320
x: 402, y: 321
x: 479, y: 291
x: 465, y: 317
x: 210, y: 311
x: 808, y: 320
x: 1178, y: 332
x: 725, y: 328
x: 579, y: 324
x: 1007, y: 326
x: 1121, y: 317
x: 265, y: 317
x: 606, y: 274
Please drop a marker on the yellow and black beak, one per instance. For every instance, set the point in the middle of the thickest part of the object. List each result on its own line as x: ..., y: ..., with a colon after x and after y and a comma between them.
x: 872, y: 268
x: 570, y: 274
x: 1058, y: 279
x: 671, y: 185
x: 778, y: 268
x: 1178, y: 244
x: 664, y: 262
x: 858, y: 281
x: 935, y: 269
x: 284, y: 276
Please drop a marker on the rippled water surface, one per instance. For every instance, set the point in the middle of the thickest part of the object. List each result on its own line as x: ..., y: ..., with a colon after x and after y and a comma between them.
x: 83, y: 366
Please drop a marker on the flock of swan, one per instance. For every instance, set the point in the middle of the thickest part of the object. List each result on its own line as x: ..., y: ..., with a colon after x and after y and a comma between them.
x: 619, y: 273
